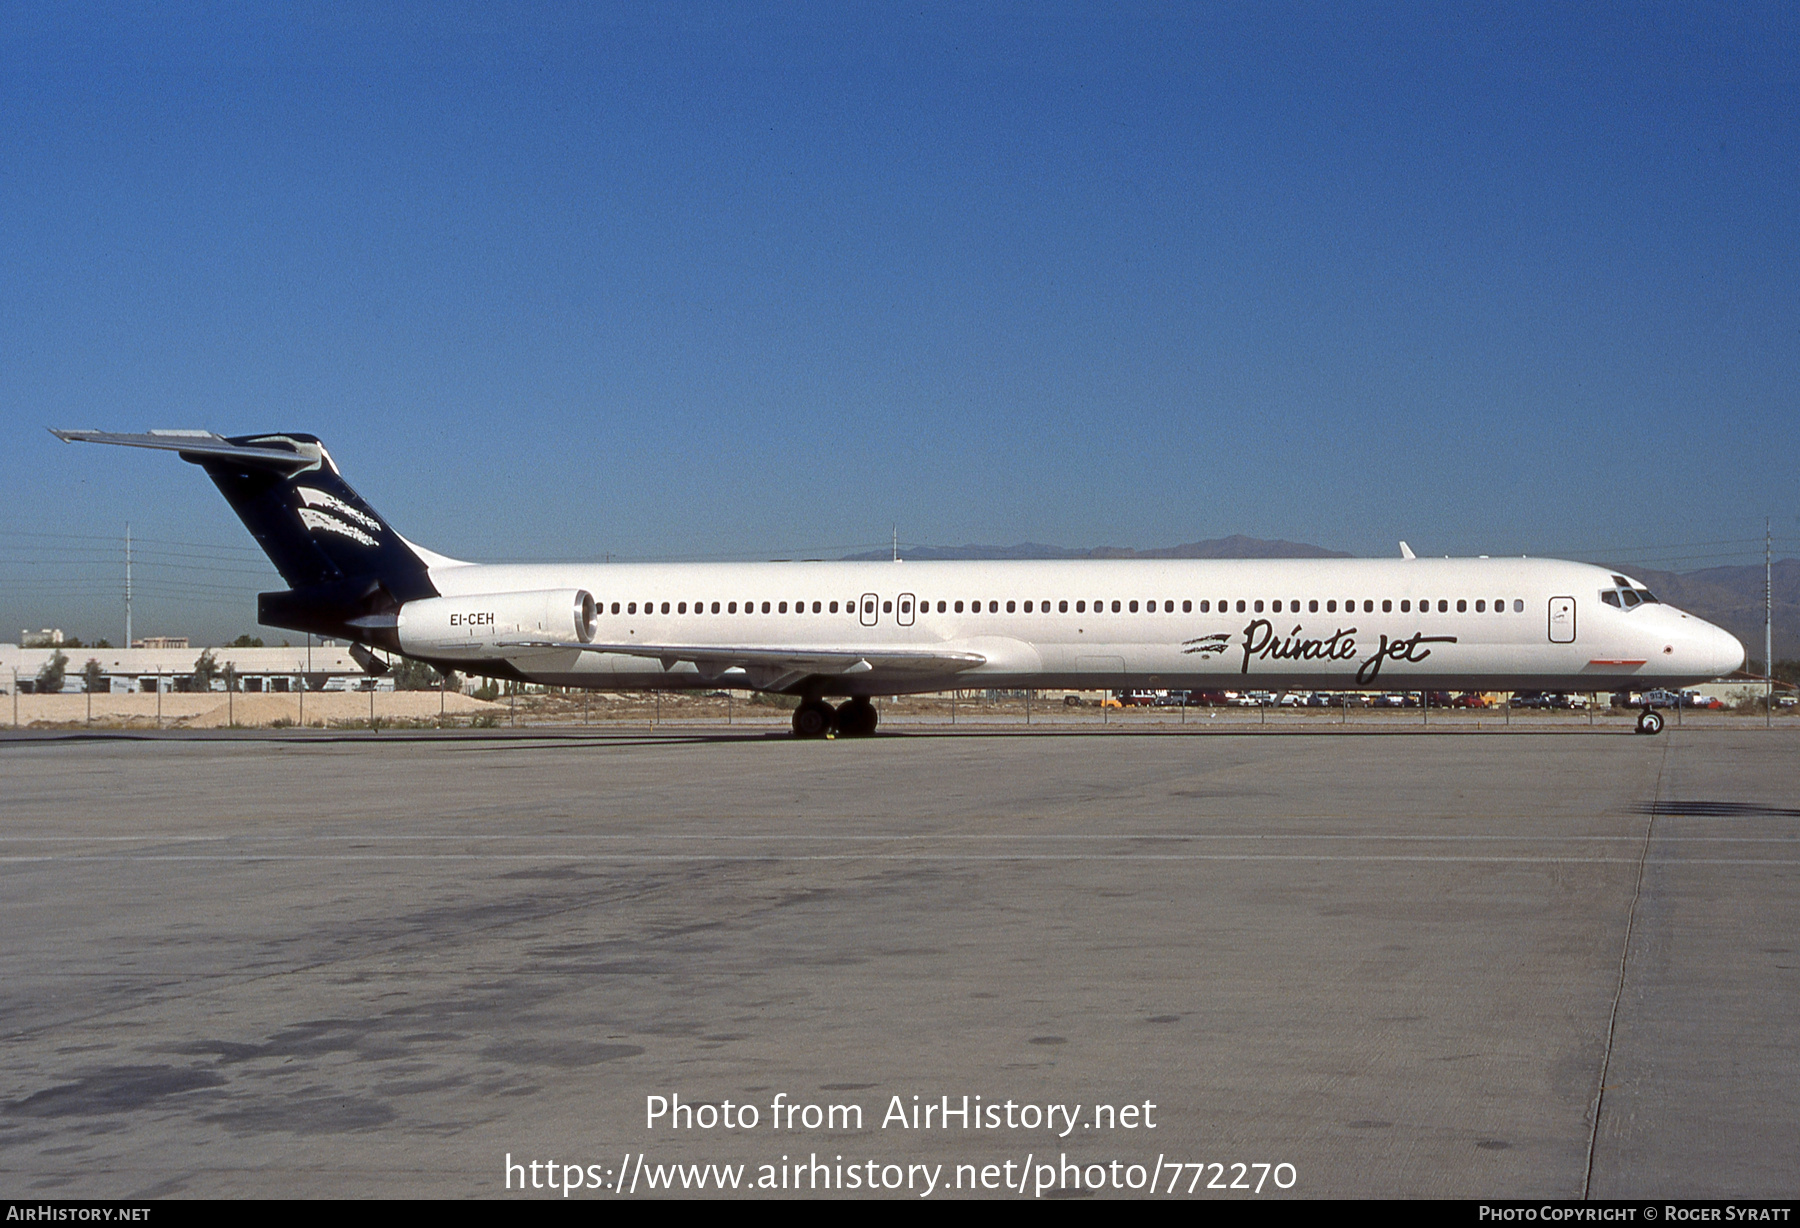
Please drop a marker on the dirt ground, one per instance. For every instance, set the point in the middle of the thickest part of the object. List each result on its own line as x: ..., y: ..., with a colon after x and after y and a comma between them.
x: 323, y: 710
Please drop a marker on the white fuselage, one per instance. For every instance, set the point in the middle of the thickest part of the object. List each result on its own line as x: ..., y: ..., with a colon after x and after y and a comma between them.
x: 1327, y: 624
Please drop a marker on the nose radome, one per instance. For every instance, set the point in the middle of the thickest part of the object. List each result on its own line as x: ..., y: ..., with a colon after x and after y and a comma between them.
x: 1723, y: 652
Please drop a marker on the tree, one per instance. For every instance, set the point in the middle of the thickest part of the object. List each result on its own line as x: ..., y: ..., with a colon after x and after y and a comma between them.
x: 246, y: 641
x: 50, y: 678
x: 102, y: 643
x: 93, y: 677
x: 206, y: 668
x: 411, y: 675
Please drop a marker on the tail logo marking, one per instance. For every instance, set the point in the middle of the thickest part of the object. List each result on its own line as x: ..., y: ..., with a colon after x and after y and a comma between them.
x: 327, y: 520
x: 318, y: 521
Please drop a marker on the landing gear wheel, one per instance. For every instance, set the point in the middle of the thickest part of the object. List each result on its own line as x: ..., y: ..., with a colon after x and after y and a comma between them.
x: 857, y: 718
x: 1650, y: 721
x: 814, y: 719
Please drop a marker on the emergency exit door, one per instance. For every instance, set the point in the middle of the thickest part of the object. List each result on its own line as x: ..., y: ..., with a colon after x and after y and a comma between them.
x: 1562, y: 620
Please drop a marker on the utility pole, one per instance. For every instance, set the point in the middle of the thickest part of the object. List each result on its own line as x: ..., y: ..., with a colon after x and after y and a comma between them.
x: 1768, y: 627
x: 127, y: 584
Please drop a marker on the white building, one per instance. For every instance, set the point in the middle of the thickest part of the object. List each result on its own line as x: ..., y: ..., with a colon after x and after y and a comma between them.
x: 319, y: 668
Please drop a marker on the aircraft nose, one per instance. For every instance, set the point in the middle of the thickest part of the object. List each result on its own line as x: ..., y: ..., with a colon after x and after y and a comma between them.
x: 1721, y: 650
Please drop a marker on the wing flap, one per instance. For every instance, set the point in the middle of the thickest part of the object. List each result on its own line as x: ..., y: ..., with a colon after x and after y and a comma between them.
x: 714, y: 659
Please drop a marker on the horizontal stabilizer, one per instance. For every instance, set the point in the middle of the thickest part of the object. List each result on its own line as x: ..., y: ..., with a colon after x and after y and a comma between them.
x: 198, y: 445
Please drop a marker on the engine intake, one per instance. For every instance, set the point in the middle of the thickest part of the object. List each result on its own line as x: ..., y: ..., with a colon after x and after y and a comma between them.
x: 475, y: 627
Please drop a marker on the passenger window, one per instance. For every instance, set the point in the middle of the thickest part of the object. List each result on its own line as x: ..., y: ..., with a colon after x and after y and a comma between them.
x: 1240, y: 608
x: 1443, y: 606
x: 1500, y: 606
x: 1259, y: 607
x: 941, y: 607
x: 729, y: 609
x: 816, y: 607
x: 1081, y: 607
x: 1275, y: 606
x: 615, y: 607
x: 1387, y: 607
x: 1133, y: 607
x: 1012, y: 607
x: 1062, y: 607
x: 1331, y: 607
x: 682, y: 608
x: 782, y: 608
x: 1312, y: 607
x: 959, y: 607
x: 1115, y: 607
x: 993, y: 607
x: 665, y: 607
x: 1187, y: 607
x: 1406, y: 607
x: 1368, y: 606
x: 1206, y: 607
x: 631, y: 608
x: 1028, y: 607
x: 1518, y: 606
x: 887, y: 607
x: 1462, y: 607
x: 1481, y: 607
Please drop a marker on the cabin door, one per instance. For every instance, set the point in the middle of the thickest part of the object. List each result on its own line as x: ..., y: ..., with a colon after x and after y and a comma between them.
x: 1562, y: 620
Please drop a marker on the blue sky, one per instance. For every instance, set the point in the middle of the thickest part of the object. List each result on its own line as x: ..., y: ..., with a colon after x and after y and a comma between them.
x: 726, y: 280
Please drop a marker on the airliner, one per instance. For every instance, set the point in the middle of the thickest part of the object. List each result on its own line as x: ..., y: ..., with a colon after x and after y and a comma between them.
x: 850, y: 631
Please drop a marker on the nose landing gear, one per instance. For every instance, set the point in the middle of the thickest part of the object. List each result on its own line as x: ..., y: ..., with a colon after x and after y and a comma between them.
x: 1650, y: 721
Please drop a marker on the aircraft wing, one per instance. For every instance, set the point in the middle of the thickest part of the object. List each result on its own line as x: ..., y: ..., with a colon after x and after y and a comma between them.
x: 778, y: 666
x: 196, y: 444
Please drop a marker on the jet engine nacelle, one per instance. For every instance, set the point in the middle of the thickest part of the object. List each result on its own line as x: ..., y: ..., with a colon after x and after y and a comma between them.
x: 477, y: 626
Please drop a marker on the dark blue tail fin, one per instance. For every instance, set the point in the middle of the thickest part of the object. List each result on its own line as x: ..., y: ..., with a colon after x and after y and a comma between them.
x: 347, y: 570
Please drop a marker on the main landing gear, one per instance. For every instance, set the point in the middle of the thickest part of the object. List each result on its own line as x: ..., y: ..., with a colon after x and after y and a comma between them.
x: 815, y: 718
x: 1650, y: 721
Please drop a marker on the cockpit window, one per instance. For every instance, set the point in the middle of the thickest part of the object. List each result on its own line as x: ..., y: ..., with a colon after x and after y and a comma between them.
x: 1626, y: 596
